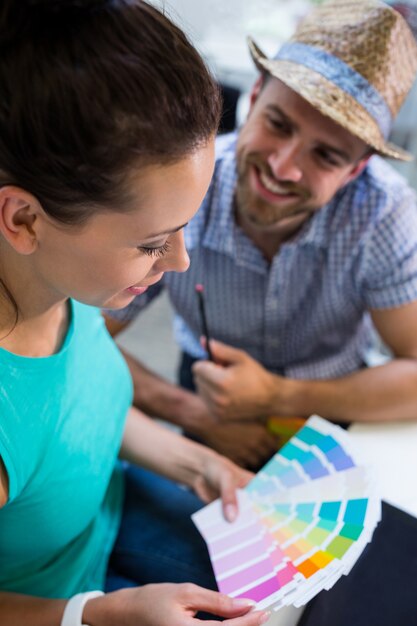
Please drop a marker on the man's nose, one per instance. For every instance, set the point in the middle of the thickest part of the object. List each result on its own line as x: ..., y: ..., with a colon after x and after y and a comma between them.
x: 285, y: 162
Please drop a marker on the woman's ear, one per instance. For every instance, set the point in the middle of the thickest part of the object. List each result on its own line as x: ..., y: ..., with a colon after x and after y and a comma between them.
x: 19, y: 218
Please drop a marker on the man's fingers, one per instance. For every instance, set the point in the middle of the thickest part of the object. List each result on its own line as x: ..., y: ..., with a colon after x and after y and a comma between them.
x: 209, y: 372
x: 246, y: 443
x: 216, y: 401
x: 224, y: 354
x: 271, y: 443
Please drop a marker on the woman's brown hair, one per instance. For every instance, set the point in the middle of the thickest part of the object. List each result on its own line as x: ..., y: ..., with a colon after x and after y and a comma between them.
x: 89, y: 88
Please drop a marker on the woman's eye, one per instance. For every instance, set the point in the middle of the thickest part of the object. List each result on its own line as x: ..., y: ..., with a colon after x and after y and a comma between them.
x: 158, y: 252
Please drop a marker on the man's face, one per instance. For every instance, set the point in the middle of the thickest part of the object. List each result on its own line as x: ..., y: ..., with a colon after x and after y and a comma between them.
x: 291, y: 159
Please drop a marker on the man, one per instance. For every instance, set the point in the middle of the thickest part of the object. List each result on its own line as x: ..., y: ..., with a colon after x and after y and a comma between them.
x: 304, y: 243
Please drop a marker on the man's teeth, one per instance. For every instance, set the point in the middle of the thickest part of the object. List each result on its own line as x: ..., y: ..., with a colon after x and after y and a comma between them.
x: 271, y: 185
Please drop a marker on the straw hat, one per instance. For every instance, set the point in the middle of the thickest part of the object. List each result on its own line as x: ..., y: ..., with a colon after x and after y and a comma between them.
x: 354, y: 61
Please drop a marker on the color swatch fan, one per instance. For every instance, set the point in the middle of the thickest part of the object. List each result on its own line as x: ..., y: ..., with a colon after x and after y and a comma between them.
x: 303, y: 521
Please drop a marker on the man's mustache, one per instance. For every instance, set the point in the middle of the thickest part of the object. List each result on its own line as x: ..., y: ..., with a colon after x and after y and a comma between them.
x: 287, y: 186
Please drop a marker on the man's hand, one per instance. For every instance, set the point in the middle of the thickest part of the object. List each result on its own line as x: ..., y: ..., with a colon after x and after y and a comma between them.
x: 247, y: 443
x: 236, y: 386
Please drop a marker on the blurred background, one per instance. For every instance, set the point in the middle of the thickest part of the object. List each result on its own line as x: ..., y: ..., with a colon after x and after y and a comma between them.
x: 219, y: 28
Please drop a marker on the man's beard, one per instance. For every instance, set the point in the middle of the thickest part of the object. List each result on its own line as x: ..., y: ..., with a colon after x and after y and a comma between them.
x: 260, y: 212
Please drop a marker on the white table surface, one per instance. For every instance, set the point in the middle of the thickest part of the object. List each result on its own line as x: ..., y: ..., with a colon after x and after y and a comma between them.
x: 392, y: 450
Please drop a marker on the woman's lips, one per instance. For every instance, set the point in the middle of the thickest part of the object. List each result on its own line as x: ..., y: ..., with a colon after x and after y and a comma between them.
x: 137, y: 291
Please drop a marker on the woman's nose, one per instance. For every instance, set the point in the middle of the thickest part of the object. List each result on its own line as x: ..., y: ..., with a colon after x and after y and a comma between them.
x: 176, y: 259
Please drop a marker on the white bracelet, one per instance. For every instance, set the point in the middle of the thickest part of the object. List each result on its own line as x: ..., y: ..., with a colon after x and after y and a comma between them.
x: 73, y: 614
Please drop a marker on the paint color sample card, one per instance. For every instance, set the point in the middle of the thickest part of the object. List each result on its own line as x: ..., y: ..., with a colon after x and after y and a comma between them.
x: 284, y: 427
x: 303, y: 521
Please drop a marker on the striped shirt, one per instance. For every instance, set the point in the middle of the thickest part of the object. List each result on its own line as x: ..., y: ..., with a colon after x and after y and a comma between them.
x: 304, y: 314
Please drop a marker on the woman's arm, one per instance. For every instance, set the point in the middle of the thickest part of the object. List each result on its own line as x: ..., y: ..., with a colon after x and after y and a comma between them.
x: 151, y: 605
x: 159, y: 449
x: 149, y: 444
x: 16, y: 608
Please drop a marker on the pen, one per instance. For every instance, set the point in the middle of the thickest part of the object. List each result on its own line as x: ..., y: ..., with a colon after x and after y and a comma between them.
x: 200, y: 294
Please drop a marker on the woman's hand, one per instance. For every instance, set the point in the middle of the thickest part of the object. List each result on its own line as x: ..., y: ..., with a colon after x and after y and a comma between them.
x: 219, y: 478
x: 165, y: 452
x: 169, y: 605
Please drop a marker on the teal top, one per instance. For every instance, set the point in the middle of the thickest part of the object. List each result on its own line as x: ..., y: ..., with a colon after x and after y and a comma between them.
x: 61, y: 424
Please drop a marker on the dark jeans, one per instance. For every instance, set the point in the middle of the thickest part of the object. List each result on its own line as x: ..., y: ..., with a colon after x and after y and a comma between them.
x: 157, y: 540
x: 185, y: 376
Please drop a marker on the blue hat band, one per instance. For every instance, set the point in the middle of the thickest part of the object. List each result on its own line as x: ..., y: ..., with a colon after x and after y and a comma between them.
x: 342, y: 75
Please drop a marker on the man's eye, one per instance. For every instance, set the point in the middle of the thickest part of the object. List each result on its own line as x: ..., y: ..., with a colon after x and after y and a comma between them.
x: 277, y: 124
x: 327, y: 157
x: 158, y: 252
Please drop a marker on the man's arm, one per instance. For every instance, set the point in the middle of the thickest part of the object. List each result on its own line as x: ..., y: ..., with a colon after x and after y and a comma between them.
x: 156, y: 396
x: 247, y: 444
x: 238, y: 387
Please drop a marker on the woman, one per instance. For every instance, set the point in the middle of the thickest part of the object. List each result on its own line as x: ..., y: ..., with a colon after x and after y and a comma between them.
x: 107, y: 119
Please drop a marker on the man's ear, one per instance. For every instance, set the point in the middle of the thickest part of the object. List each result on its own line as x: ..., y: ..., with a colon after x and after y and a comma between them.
x: 19, y: 217
x: 358, y: 167
x: 255, y: 91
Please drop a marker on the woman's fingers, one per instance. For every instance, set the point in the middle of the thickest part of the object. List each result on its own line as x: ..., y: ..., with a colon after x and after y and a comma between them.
x: 238, y: 610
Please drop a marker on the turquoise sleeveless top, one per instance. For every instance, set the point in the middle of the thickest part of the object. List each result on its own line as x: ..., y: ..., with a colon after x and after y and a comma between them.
x: 61, y: 424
